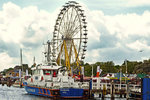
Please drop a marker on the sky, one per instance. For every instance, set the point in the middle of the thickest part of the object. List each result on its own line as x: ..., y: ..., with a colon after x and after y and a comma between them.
x: 117, y: 29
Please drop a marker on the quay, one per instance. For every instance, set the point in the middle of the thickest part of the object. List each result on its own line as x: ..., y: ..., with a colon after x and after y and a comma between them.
x: 8, y: 81
x: 111, y: 89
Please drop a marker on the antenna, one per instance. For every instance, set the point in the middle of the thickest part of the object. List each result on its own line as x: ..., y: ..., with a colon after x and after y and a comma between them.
x: 34, y: 60
x: 48, y: 52
x: 34, y: 64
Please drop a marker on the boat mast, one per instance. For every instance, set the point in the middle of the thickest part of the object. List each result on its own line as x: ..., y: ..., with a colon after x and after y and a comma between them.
x: 21, y: 60
x: 34, y: 60
x: 48, y: 53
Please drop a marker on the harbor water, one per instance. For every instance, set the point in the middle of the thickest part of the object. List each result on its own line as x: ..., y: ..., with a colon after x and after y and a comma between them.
x: 13, y: 93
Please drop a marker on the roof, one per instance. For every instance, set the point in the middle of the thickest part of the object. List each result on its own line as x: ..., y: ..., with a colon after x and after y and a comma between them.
x: 141, y: 75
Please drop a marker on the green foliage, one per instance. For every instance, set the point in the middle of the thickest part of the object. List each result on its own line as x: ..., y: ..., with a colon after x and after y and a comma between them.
x: 107, y: 67
x: 6, y: 70
x: 133, y: 67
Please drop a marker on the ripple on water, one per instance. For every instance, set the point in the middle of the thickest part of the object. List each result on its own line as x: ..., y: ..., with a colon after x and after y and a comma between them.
x: 13, y: 93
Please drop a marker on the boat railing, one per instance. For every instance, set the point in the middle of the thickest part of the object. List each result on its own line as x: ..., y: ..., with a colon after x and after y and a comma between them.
x: 98, y: 85
x: 135, y: 88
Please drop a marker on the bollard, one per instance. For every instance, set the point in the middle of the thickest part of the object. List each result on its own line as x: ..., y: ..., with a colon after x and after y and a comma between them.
x: 100, y: 95
x: 120, y: 95
x: 103, y: 96
x: 124, y: 95
x: 127, y: 95
x: 104, y: 92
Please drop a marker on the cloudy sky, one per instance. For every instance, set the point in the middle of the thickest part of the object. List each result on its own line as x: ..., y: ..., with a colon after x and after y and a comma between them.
x: 117, y: 29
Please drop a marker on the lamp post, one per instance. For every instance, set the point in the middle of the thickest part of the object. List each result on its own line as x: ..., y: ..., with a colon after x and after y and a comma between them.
x: 120, y: 78
x: 92, y: 71
x: 21, y: 61
x: 126, y: 81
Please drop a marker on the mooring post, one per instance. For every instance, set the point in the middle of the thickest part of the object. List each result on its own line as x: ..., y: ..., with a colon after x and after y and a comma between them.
x: 112, y: 91
x: 103, y: 96
x: 120, y: 95
x: 90, y: 89
x: 104, y: 92
x: 127, y: 95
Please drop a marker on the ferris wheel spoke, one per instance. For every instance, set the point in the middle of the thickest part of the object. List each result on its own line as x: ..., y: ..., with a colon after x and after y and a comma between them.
x: 72, y: 23
x: 59, y: 44
x: 76, y: 30
x: 61, y: 22
x: 70, y: 20
x: 76, y: 24
x: 66, y: 22
x: 75, y: 33
x: 62, y: 27
x: 61, y: 32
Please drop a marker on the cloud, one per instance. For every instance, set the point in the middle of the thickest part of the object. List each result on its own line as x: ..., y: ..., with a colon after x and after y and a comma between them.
x: 25, y: 28
x: 118, y: 37
x: 24, y: 24
x: 138, y: 45
x: 110, y: 37
x: 6, y: 61
x: 134, y: 3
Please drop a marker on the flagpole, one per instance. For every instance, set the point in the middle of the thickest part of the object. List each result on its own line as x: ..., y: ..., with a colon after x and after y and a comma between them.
x: 92, y: 71
x: 21, y: 61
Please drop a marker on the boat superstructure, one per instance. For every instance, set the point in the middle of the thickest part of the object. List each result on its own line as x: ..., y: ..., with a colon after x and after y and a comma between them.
x: 54, y: 81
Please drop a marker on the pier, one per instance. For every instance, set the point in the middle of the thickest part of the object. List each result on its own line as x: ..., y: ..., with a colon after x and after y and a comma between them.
x: 111, y: 89
x: 8, y: 81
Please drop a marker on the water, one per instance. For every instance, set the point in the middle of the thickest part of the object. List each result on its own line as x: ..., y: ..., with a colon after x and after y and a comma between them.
x: 13, y: 93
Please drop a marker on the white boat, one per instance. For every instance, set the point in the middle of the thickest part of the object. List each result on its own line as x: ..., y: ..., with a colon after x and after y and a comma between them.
x: 52, y: 80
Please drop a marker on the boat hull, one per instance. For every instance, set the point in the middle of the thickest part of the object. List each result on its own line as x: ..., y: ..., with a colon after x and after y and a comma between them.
x: 42, y: 91
x: 73, y: 93
x: 57, y: 93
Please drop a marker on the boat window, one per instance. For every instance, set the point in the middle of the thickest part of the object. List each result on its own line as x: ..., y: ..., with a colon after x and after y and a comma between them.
x: 35, y: 72
x: 47, y: 72
x: 54, y: 64
x: 36, y: 77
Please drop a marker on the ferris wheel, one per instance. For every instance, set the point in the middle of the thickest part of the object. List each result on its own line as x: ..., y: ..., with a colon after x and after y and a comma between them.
x: 70, y: 37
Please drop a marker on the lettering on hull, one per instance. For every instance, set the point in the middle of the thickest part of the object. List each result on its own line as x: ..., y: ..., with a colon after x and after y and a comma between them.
x: 31, y: 90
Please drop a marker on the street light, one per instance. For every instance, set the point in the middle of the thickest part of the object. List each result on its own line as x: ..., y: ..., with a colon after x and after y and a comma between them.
x: 120, y: 78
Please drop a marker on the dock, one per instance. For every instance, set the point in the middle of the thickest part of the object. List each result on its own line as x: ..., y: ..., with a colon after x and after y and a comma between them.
x: 112, y: 88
